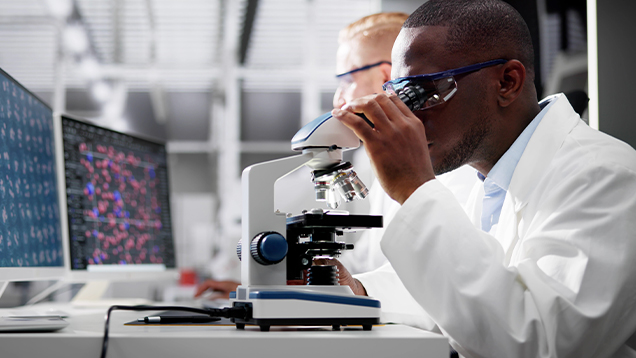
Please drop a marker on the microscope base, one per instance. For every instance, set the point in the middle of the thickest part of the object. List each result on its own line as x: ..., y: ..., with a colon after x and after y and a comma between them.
x: 303, y: 308
x: 335, y: 323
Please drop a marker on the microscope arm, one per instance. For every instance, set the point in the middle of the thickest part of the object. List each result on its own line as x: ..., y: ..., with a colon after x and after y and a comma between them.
x: 259, y: 215
x: 322, y: 142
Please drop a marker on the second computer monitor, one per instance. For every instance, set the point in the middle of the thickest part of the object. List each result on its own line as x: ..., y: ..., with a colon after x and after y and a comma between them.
x: 118, y: 203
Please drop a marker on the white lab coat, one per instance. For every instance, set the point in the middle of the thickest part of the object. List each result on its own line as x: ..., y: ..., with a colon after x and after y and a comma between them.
x: 559, y: 277
x: 367, y: 255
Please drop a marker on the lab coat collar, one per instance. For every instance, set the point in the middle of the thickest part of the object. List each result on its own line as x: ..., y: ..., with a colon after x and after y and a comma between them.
x: 547, y: 138
x: 543, y: 145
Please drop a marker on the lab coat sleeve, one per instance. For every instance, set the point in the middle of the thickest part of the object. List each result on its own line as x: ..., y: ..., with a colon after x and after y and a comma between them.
x: 569, y: 293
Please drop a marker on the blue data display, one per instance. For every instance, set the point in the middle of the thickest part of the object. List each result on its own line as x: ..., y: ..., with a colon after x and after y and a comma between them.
x: 30, y: 229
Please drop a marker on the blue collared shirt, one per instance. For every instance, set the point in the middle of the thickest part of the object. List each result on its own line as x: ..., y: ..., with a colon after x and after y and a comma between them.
x: 498, y: 180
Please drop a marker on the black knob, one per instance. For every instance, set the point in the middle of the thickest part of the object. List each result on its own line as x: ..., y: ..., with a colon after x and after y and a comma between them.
x: 239, y: 249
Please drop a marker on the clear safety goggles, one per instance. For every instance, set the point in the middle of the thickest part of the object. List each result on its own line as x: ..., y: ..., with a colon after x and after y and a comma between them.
x: 425, y: 91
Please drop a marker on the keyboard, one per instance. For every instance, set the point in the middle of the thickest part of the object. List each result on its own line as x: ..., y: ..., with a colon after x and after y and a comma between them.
x: 21, y: 323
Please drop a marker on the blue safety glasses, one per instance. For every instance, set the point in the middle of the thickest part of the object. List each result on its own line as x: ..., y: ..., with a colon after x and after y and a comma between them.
x: 346, y: 79
x: 425, y: 91
x: 363, y: 68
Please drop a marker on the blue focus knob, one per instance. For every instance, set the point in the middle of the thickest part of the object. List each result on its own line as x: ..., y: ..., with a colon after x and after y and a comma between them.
x: 268, y: 248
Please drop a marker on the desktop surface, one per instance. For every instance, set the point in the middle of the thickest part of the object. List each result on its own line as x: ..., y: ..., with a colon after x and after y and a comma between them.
x: 83, y: 338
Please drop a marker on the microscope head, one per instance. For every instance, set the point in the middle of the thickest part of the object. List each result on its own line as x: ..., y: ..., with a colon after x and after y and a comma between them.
x: 325, y: 133
x: 333, y: 179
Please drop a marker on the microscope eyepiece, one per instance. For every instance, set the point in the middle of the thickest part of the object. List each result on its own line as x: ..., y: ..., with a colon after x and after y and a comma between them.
x: 413, y: 96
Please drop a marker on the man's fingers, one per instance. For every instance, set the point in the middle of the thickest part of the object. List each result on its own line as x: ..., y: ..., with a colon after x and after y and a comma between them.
x: 222, y: 286
x: 200, y: 290
x: 393, y: 108
x: 321, y: 261
x: 371, y: 108
x: 382, y: 110
x: 400, y: 105
x: 296, y: 282
x: 354, y: 122
x: 205, y: 286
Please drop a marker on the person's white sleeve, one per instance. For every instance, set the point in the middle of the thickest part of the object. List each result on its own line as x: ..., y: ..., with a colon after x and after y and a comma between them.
x: 398, y: 306
x: 460, y: 182
x: 570, y: 290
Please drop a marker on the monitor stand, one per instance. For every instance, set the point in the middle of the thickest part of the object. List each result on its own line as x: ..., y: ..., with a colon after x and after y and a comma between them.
x: 92, y: 293
x: 3, y: 286
x: 48, y: 291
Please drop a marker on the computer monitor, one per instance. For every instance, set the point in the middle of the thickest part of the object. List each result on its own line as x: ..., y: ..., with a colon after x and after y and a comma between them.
x: 31, y: 244
x: 117, y: 199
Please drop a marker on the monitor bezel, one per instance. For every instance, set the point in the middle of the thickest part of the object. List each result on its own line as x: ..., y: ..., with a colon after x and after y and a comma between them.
x: 38, y: 273
x: 170, y: 273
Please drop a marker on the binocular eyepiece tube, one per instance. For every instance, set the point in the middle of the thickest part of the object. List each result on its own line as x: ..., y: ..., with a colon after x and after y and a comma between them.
x: 413, y: 96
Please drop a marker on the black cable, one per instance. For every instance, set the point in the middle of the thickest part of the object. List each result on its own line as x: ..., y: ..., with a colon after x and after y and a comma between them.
x: 226, y: 312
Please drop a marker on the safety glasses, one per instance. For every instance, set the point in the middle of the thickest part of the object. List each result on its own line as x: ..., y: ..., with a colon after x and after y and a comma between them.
x: 363, y: 68
x: 346, y: 79
x: 425, y: 91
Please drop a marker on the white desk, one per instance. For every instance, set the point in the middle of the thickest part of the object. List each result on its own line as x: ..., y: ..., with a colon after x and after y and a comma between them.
x: 83, y: 338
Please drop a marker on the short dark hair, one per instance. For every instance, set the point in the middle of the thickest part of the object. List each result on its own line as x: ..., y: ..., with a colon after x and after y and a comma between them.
x: 480, y: 28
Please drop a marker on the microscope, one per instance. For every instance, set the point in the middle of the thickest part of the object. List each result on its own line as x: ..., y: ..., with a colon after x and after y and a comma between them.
x: 269, y: 259
x: 276, y: 248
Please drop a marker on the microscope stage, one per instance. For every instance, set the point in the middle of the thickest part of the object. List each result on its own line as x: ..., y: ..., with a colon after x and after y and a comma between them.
x: 326, y: 220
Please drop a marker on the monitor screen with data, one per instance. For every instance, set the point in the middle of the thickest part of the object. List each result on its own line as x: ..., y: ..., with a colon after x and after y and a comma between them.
x: 31, y: 244
x: 117, y: 198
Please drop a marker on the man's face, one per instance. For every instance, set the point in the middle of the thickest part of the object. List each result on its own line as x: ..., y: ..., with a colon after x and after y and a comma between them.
x: 351, y: 56
x: 457, y: 131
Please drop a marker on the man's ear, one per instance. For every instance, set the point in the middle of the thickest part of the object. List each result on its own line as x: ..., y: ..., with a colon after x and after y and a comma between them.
x: 385, y: 69
x: 512, y: 78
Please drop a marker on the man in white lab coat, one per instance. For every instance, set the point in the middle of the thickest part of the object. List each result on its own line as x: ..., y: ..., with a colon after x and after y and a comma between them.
x: 543, y: 261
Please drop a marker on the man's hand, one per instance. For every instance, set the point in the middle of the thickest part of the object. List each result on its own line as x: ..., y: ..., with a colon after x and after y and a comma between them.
x: 344, y: 277
x: 397, y: 144
x: 221, y: 289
